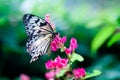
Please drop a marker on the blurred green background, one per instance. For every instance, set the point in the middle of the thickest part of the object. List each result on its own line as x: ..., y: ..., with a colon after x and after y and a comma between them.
x: 94, y: 23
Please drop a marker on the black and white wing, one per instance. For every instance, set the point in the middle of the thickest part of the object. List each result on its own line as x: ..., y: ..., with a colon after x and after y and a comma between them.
x: 40, y: 35
x: 35, y: 25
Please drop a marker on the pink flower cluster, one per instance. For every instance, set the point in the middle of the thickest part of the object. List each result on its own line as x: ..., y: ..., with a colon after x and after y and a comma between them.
x: 57, y: 63
x: 55, y: 67
x: 58, y: 42
x: 79, y: 72
x: 72, y: 47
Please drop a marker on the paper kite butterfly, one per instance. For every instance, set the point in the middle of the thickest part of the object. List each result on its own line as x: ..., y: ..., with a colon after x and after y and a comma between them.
x: 40, y: 34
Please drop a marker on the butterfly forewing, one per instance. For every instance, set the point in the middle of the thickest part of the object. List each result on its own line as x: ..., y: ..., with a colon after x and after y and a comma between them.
x: 36, y: 25
x: 40, y: 35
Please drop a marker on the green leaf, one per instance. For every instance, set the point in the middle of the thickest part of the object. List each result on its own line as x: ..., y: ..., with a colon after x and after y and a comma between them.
x: 113, y: 39
x: 62, y: 49
x: 95, y: 73
x: 76, y: 57
x: 101, y: 37
x: 61, y: 73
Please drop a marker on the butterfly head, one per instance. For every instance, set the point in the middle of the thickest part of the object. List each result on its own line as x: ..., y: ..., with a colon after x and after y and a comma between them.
x: 55, y: 33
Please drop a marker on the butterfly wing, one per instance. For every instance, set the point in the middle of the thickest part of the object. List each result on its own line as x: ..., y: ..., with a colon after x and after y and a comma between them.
x: 39, y: 47
x: 36, y: 26
x: 40, y: 35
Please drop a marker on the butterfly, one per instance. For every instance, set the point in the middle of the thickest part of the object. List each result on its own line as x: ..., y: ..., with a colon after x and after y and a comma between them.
x: 40, y: 34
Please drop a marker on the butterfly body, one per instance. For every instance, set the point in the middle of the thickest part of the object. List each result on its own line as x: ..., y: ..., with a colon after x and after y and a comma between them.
x: 40, y: 34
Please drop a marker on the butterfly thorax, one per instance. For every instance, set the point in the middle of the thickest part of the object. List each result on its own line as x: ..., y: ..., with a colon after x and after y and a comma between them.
x: 54, y: 34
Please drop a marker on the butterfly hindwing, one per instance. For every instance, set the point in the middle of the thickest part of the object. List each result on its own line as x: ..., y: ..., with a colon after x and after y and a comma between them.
x: 39, y: 33
x: 39, y: 47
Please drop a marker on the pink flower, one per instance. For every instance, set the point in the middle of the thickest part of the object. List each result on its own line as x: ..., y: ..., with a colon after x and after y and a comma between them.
x: 73, y: 44
x: 24, y: 77
x: 79, y: 72
x: 73, y: 40
x: 68, y: 51
x: 57, y: 70
x: 61, y: 63
x: 50, y: 64
x: 55, y: 67
x: 72, y: 47
x: 47, y: 18
x: 54, y: 46
x: 58, y: 42
x: 50, y: 75
x: 63, y: 40
x: 57, y: 63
